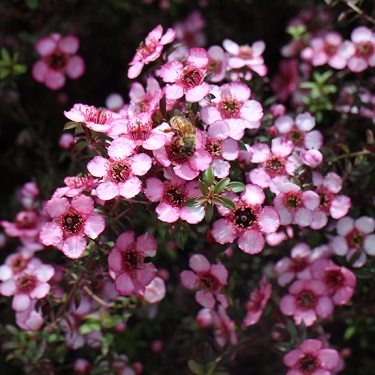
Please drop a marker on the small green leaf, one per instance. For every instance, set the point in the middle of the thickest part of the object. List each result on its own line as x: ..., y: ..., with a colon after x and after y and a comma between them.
x: 89, y: 327
x: 19, y: 69
x: 203, y: 187
x: 32, y: 4
x: 71, y: 125
x: 349, y: 333
x: 180, y: 238
x: 195, y: 367
x: 208, y: 176
x: 6, y: 56
x: 224, y: 202
x: 209, y: 213
x: 192, y: 203
x: 221, y: 185
x: 237, y: 187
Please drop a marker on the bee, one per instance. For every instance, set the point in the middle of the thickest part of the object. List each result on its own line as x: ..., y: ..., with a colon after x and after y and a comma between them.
x: 184, y: 141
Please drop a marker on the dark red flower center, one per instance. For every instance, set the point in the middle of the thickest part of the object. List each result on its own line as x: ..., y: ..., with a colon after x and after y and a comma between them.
x: 299, y: 264
x: 325, y: 199
x: 292, y: 200
x: 57, y: 60
x: 72, y: 222
x: 296, y: 136
x: 26, y: 283
x: 210, y: 282
x: 139, y: 131
x: 132, y: 260
x: 355, y: 239
x: 229, y: 108
x: 192, y: 77
x: 26, y: 220
x: 18, y: 264
x: 213, y: 147
x: 120, y: 172
x: 244, y: 217
x: 274, y: 166
x: 97, y: 116
x: 334, y: 279
x: 176, y: 196
x: 365, y: 49
x: 308, y: 363
x: 330, y: 49
x: 306, y: 300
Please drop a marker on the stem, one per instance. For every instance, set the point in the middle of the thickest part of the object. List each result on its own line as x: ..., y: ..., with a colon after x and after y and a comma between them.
x: 95, y: 297
x: 353, y: 154
x: 359, y: 11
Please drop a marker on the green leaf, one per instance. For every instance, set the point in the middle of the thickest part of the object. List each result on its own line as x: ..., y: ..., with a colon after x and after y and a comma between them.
x: 349, y: 333
x: 71, y: 125
x: 86, y: 328
x: 203, y: 187
x: 208, y: 176
x: 6, y: 56
x: 237, y: 187
x: 192, y: 202
x: 180, y: 238
x: 19, y: 69
x: 224, y: 202
x: 221, y: 185
x: 195, y: 367
x: 32, y: 4
x: 209, y: 213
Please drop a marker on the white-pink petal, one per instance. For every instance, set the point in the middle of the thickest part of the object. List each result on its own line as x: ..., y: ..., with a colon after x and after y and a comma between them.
x: 98, y: 166
x: 140, y: 164
x: 251, y: 242
x: 130, y: 188
x: 94, y: 225
x: 51, y: 234
x: 74, y: 247
x: 107, y: 190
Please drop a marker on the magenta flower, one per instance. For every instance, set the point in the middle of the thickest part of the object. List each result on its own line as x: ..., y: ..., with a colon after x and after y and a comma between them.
x: 58, y: 59
x: 232, y: 104
x: 150, y: 49
x: 257, y: 303
x: 248, y: 222
x: 295, y: 206
x: 172, y: 196
x: 355, y: 235
x: 311, y: 359
x: 340, y: 281
x: 187, y: 78
x: 307, y: 300
x: 119, y: 172
x: 127, y: 265
x: 97, y: 119
x: 209, y: 278
x: 331, y: 203
x: 71, y: 221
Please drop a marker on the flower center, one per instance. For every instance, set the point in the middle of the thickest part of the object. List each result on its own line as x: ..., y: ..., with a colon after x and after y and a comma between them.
x: 18, y: 264
x: 325, y: 199
x: 245, y: 52
x: 306, y: 300
x: 355, y: 239
x: 72, y: 222
x: 210, y: 282
x: 296, y: 137
x: 308, y: 363
x: 57, y: 60
x: 179, y: 154
x: 244, y: 217
x: 292, y: 200
x: 214, y: 148
x: 132, y: 260
x: 175, y: 196
x: 26, y: 220
x: 139, y: 131
x: 213, y: 66
x: 334, y: 279
x: 97, y: 116
x: 229, y: 108
x: 192, y: 77
x: 146, y: 50
x: 299, y: 264
x: 120, y: 172
x: 26, y: 283
x: 330, y: 49
x: 365, y: 49
x: 274, y: 166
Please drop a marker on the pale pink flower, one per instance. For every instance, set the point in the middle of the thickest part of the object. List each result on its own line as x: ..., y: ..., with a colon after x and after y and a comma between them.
x: 208, y: 278
x: 249, y: 222
x: 150, y: 49
x: 114, y: 102
x: 340, y: 281
x: 30, y: 319
x: 154, y: 292
x: 27, y: 195
x: 232, y: 104
x: 97, y: 119
x: 296, y: 206
x: 326, y: 49
x: 331, y: 203
x: 221, y: 148
x: 172, y: 196
x: 75, y: 185
x: 66, y: 141
x: 217, y: 63
x: 355, y: 236
x: 257, y: 303
x: 189, y: 31
x: 16, y: 263
x: 119, y: 173
x: 310, y: 358
x: 307, y: 300
x: 204, y: 318
x: 246, y: 56
x: 311, y: 158
x: 71, y: 221
x: 58, y: 59
x: 127, y: 265
x: 361, y: 50
x: 187, y: 78
x: 28, y: 285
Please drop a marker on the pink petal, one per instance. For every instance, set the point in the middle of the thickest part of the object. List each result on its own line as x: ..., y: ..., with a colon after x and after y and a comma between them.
x: 198, y: 57
x: 251, y: 111
x: 115, y: 260
x: 324, y: 307
x: 189, y: 279
x: 220, y: 272
x: 311, y: 346
x: 204, y: 298
x: 126, y: 240
x: 21, y: 302
x: 83, y: 204
x: 40, y: 291
x: 174, y: 91
x: 340, y: 206
x: 120, y: 148
x: 74, y: 247
x: 168, y: 37
x: 135, y: 70
x: 147, y: 244
x: 51, y: 234
x: 171, y: 71
x: 124, y: 284
x: 167, y: 213
x: 292, y: 358
x: 39, y: 71
x: 223, y: 231
x: 154, y: 190
x: 269, y: 220
x: 56, y: 207
x: 46, y: 46
x: 146, y: 274
x: 140, y: 164
x: 197, y: 93
x: 75, y: 67
x: 130, y: 188
x: 54, y: 79
x: 328, y: 358
x: 8, y: 288
x: 69, y: 44
x: 288, y: 305
x: 192, y: 215
x: 251, y: 242
x: 98, y: 166
x: 107, y: 190
x: 94, y: 225
x: 199, y: 263
x: 253, y: 195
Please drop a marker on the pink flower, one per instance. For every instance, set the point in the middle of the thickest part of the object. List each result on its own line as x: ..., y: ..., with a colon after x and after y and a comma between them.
x: 187, y: 78
x: 209, y: 278
x: 246, y: 56
x: 172, y: 196
x: 340, y: 281
x: 58, y: 59
x: 307, y: 300
x: 295, y: 206
x: 189, y: 30
x: 119, y: 172
x: 75, y: 185
x: 66, y: 141
x: 30, y: 319
x: 150, y: 49
x: 27, y: 285
x: 311, y: 359
x: 97, y: 119
x: 127, y: 266
x: 326, y: 49
x: 355, y: 235
x: 361, y: 51
x: 331, y: 203
x: 217, y: 63
x: 232, y: 104
x: 248, y: 222
x: 154, y: 292
x: 257, y: 303
x: 71, y: 221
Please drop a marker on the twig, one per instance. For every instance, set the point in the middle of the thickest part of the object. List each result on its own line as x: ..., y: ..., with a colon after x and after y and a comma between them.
x: 359, y: 11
